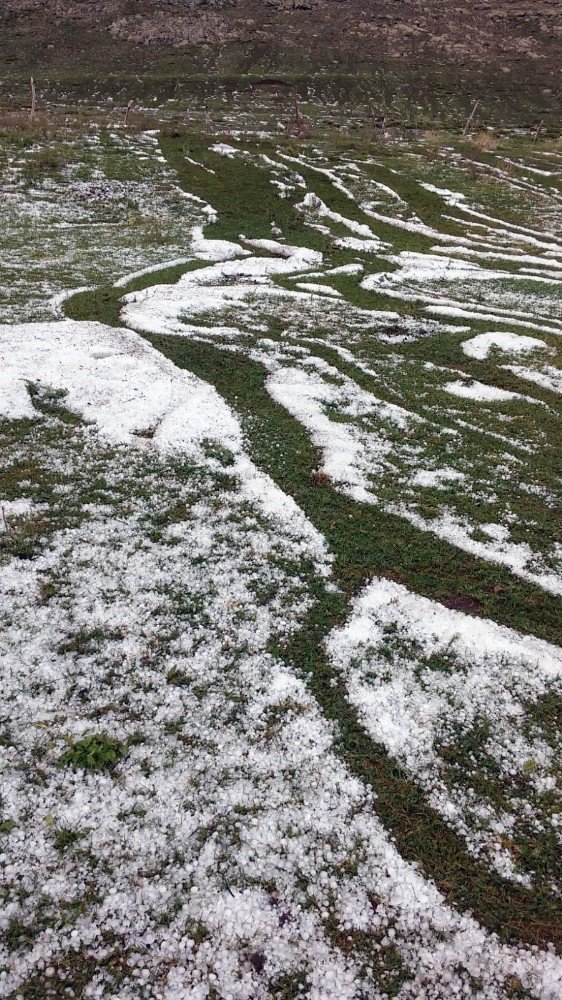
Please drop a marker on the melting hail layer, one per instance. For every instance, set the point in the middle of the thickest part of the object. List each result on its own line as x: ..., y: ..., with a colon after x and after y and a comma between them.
x: 233, y: 298
x: 229, y: 845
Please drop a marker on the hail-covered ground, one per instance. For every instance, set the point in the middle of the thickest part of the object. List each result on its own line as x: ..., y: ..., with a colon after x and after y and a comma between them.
x: 280, y: 562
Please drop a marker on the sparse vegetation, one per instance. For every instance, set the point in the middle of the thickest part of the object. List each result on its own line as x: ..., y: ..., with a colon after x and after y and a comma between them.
x: 94, y: 752
x: 282, y: 773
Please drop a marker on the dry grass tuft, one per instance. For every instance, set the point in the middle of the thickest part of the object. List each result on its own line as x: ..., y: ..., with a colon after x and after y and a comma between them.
x: 484, y: 140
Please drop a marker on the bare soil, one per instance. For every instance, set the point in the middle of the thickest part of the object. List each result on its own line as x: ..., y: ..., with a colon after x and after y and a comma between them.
x: 507, y: 46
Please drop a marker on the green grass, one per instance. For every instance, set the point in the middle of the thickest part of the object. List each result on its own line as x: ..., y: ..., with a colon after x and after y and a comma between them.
x: 65, y: 838
x: 74, y: 972
x: 368, y: 542
x: 103, y: 304
x: 365, y: 540
x: 95, y: 752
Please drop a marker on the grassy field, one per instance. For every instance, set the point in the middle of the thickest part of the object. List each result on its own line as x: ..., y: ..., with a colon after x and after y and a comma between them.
x: 280, y: 558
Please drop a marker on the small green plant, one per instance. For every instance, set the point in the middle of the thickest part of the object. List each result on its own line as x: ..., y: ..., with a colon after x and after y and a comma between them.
x: 95, y: 752
x: 65, y: 837
x: 46, y: 393
x: 177, y: 677
x: 47, y: 399
x: 17, y: 934
x: 45, y: 163
x: 213, y: 449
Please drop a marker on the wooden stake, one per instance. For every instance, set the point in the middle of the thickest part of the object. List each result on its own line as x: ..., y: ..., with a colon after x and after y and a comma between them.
x: 470, y: 117
x: 297, y: 114
x: 379, y: 123
x: 540, y: 127
x: 296, y: 126
x: 4, y: 520
x: 127, y: 112
x: 33, y: 101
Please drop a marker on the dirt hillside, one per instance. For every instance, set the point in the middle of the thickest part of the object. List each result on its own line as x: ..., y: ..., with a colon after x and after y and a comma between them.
x: 513, y: 45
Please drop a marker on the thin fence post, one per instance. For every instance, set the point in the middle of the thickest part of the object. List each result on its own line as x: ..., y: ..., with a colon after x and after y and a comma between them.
x: 470, y: 117
x: 296, y: 126
x: 378, y: 121
x: 297, y: 114
x: 33, y: 101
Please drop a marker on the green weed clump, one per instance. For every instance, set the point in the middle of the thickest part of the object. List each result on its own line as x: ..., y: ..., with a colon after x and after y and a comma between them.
x: 95, y: 752
x: 45, y: 393
x: 66, y: 838
x: 45, y: 163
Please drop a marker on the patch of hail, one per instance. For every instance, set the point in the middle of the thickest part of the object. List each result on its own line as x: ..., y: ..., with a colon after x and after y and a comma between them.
x: 479, y: 392
x: 360, y: 449
x: 452, y: 697
x: 220, y: 843
x: 547, y: 377
x: 225, y: 284
x: 132, y: 392
x: 113, y: 211
x: 482, y: 344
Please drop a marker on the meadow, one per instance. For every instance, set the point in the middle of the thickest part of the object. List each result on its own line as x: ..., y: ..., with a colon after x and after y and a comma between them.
x: 280, y: 556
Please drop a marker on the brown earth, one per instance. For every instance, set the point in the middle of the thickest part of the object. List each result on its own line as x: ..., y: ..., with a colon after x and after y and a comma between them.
x: 512, y: 44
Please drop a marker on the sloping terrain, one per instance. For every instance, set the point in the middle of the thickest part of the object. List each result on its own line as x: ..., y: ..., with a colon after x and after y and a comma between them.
x: 280, y: 558
x: 431, y: 49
